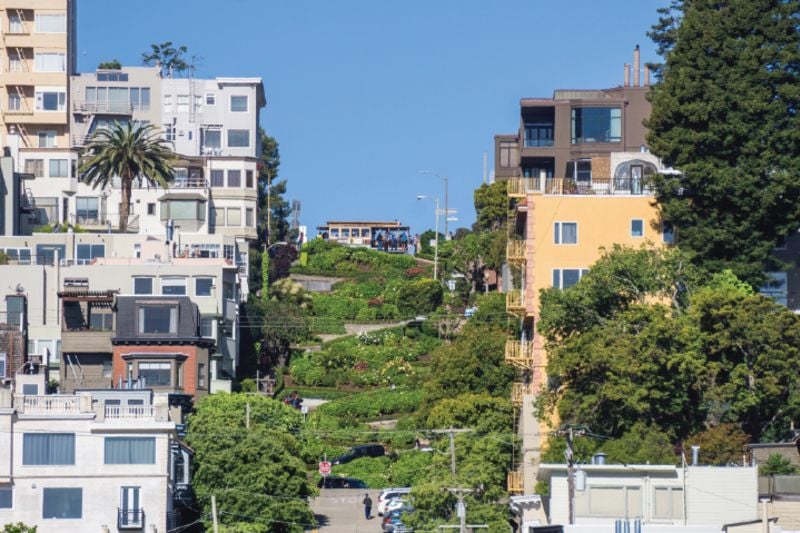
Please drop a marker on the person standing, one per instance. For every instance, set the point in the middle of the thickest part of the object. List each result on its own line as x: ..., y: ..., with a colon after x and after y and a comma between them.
x: 367, y: 507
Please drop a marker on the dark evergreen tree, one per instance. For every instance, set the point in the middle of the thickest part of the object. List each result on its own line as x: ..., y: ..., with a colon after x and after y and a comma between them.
x: 725, y: 115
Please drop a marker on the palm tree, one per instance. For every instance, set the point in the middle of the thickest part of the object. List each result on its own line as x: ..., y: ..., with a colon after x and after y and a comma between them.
x: 128, y: 152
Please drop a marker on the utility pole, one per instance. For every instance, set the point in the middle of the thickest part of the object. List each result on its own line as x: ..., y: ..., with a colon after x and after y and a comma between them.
x: 214, y: 513
x: 452, y: 432
x: 570, y: 455
x: 459, y: 492
x: 462, y: 506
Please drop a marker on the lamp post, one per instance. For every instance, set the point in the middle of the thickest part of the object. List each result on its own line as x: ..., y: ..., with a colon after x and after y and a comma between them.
x: 265, y: 269
x: 446, y: 206
x: 436, y: 251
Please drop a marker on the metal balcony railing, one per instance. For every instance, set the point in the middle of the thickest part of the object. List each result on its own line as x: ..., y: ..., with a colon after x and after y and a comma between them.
x: 130, y: 518
x: 115, y: 108
x: 515, y: 250
x: 520, y: 354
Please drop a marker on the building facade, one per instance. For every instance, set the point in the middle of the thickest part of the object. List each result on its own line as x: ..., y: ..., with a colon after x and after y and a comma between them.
x: 93, y: 461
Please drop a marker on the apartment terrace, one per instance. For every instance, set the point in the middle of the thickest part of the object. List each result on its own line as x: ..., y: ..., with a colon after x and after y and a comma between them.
x: 81, y: 406
x: 519, y: 187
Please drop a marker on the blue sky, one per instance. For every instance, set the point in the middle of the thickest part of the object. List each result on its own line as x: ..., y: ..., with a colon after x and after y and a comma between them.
x: 362, y: 94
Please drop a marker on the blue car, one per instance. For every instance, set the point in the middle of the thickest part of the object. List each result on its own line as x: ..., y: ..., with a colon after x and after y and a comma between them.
x: 393, y: 522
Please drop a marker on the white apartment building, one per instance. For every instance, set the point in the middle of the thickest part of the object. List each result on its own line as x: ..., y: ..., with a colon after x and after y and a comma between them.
x: 96, y: 461
x: 203, y: 267
x: 656, y: 498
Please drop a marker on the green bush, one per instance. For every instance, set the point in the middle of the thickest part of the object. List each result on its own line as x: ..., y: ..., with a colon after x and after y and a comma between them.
x: 419, y: 296
x: 410, y: 468
x: 373, y: 404
x: 374, y: 471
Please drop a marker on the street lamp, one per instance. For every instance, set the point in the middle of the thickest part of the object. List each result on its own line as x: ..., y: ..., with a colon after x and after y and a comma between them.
x: 436, y: 251
x: 446, y: 206
x: 265, y: 268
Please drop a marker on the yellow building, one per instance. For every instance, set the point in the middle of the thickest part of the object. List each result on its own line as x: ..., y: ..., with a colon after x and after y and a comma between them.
x: 38, y: 55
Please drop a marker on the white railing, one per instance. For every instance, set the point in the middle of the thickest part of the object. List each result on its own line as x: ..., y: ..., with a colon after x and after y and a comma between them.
x: 51, y: 404
x: 130, y: 412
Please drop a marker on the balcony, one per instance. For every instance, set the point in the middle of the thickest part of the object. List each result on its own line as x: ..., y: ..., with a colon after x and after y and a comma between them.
x: 53, y: 404
x: 515, y: 302
x: 519, y: 391
x: 130, y: 518
x: 109, y: 108
x: 515, y: 251
x: 130, y: 412
x: 105, y: 223
x: 599, y: 187
x: 516, y: 484
x: 86, y: 341
x: 520, y: 354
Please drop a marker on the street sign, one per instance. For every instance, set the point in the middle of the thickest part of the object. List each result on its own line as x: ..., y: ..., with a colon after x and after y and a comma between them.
x: 324, y: 468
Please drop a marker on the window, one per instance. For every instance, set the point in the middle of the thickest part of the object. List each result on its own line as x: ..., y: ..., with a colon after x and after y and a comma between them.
x: 131, y: 514
x: 234, y: 216
x: 167, y: 103
x: 169, y: 133
x: 217, y: 178
x: 183, y: 210
x: 51, y: 23
x: 30, y: 389
x: 538, y: 134
x: 249, y: 217
x: 20, y: 256
x: 62, y: 503
x: 668, y: 232
x: 101, y: 321
x: 566, y: 233
x: 212, y: 139
x: 48, y: 449
x: 112, y: 75
x: 228, y: 328
x: 142, y: 285
x: 183, y: 103
x: 15, y: 24
x: 3, y: 359
x: 234, y: 178
x: 131, y: 450
x: 248, y: 179
x: 201, y: 376
x: 156, y: 374
x: 218, y: 216
x: 775, y: 287
x: 140, y: 98
x: 50, y: 62
x: 207, y: 327
x: 14, y: 102
x: 202, y: 286
x: 668, y: 502
x: 158, y: 319
x: 35, y: 167
x: 51, y: 100
x: 108, y: 371
x: 596, y: 125
x: 151, y: 209
x: 173, y: 285
x: 563, y: 278
x: 612, y: 502
x: 59, y: 168
x: 87, y: 210
x: 47, y: 139
x: 205, y: 250
x: 84, y: 253
x: 211, y: 99
x: 227, y: 251
x: 238, y: 138
x: 5, y: 498
x: 637, y: 227
x: 509, y: 154
x: 583, y: 170
x: 238, y: 104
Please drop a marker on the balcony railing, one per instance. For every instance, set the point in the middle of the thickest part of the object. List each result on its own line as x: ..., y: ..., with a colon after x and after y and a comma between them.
x: 515, y: 302
x: 520, y: 354
x: 516, y: 484
x: 106, y: 221
x: 130, y: 412
x: 50, y: 405
x: 519, y: 187
x: 130, y: 518
x: 116, y: 108
x: 515, y: 250
x: 519, y: 391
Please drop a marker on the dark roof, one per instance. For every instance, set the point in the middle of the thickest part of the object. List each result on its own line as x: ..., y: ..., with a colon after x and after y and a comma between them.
x: 127, y: 319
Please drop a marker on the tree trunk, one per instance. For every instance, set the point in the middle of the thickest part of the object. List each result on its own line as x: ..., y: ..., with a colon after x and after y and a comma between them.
x: 125, y: 204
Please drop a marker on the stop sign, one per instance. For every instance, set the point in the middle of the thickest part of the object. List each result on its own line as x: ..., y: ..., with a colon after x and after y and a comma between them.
x: 324, y: 468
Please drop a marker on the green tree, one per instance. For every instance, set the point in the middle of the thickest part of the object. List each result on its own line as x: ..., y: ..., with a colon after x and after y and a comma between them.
x: 719, y: 445
x: 129, y: 152
x: 19, y: 527
x: 168, y: 57
x: 480, y: 412
x: 273, y: 209
x: 640, y: 445
x: 777, y: 465
x: 257, y: 473
x: 114, y: 64
x: 724, y: 114
x: 491, y: 206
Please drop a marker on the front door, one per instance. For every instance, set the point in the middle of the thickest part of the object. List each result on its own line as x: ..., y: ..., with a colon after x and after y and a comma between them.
x: 130, y: 509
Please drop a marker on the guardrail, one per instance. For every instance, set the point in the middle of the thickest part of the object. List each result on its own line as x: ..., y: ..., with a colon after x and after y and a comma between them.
x: 130, y: 412
x: 50, y: 404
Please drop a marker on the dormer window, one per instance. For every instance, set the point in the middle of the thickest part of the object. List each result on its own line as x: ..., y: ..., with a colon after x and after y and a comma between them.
x: 158, y: 320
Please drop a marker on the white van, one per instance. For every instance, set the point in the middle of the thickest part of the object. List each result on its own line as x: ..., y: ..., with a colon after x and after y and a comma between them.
x: 388, y: 495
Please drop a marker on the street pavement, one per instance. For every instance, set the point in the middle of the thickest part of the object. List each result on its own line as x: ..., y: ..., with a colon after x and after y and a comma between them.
x: 341, y: 511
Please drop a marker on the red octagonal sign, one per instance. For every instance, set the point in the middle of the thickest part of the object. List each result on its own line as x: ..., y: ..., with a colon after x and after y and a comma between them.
x: 324, y: 468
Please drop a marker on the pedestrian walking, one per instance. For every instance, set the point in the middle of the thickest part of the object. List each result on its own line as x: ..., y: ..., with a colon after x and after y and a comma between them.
x: 367, y: 507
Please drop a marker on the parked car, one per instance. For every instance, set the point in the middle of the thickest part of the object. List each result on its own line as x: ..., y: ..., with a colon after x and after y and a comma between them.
x: 393, y: 523
x: 387, y: 495
x: 367, y: 450
x: 335, y: 482
x: 398, y: 504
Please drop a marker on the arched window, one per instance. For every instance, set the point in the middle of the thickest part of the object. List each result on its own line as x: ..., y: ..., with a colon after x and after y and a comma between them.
x: 634, y: 176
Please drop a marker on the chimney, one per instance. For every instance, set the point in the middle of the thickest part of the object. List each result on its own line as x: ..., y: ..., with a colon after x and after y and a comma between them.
x: 695, y: 454
x: 627, y: 75
x: 599, y: 458
x: 636, y: 66
x: 647, y: 75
